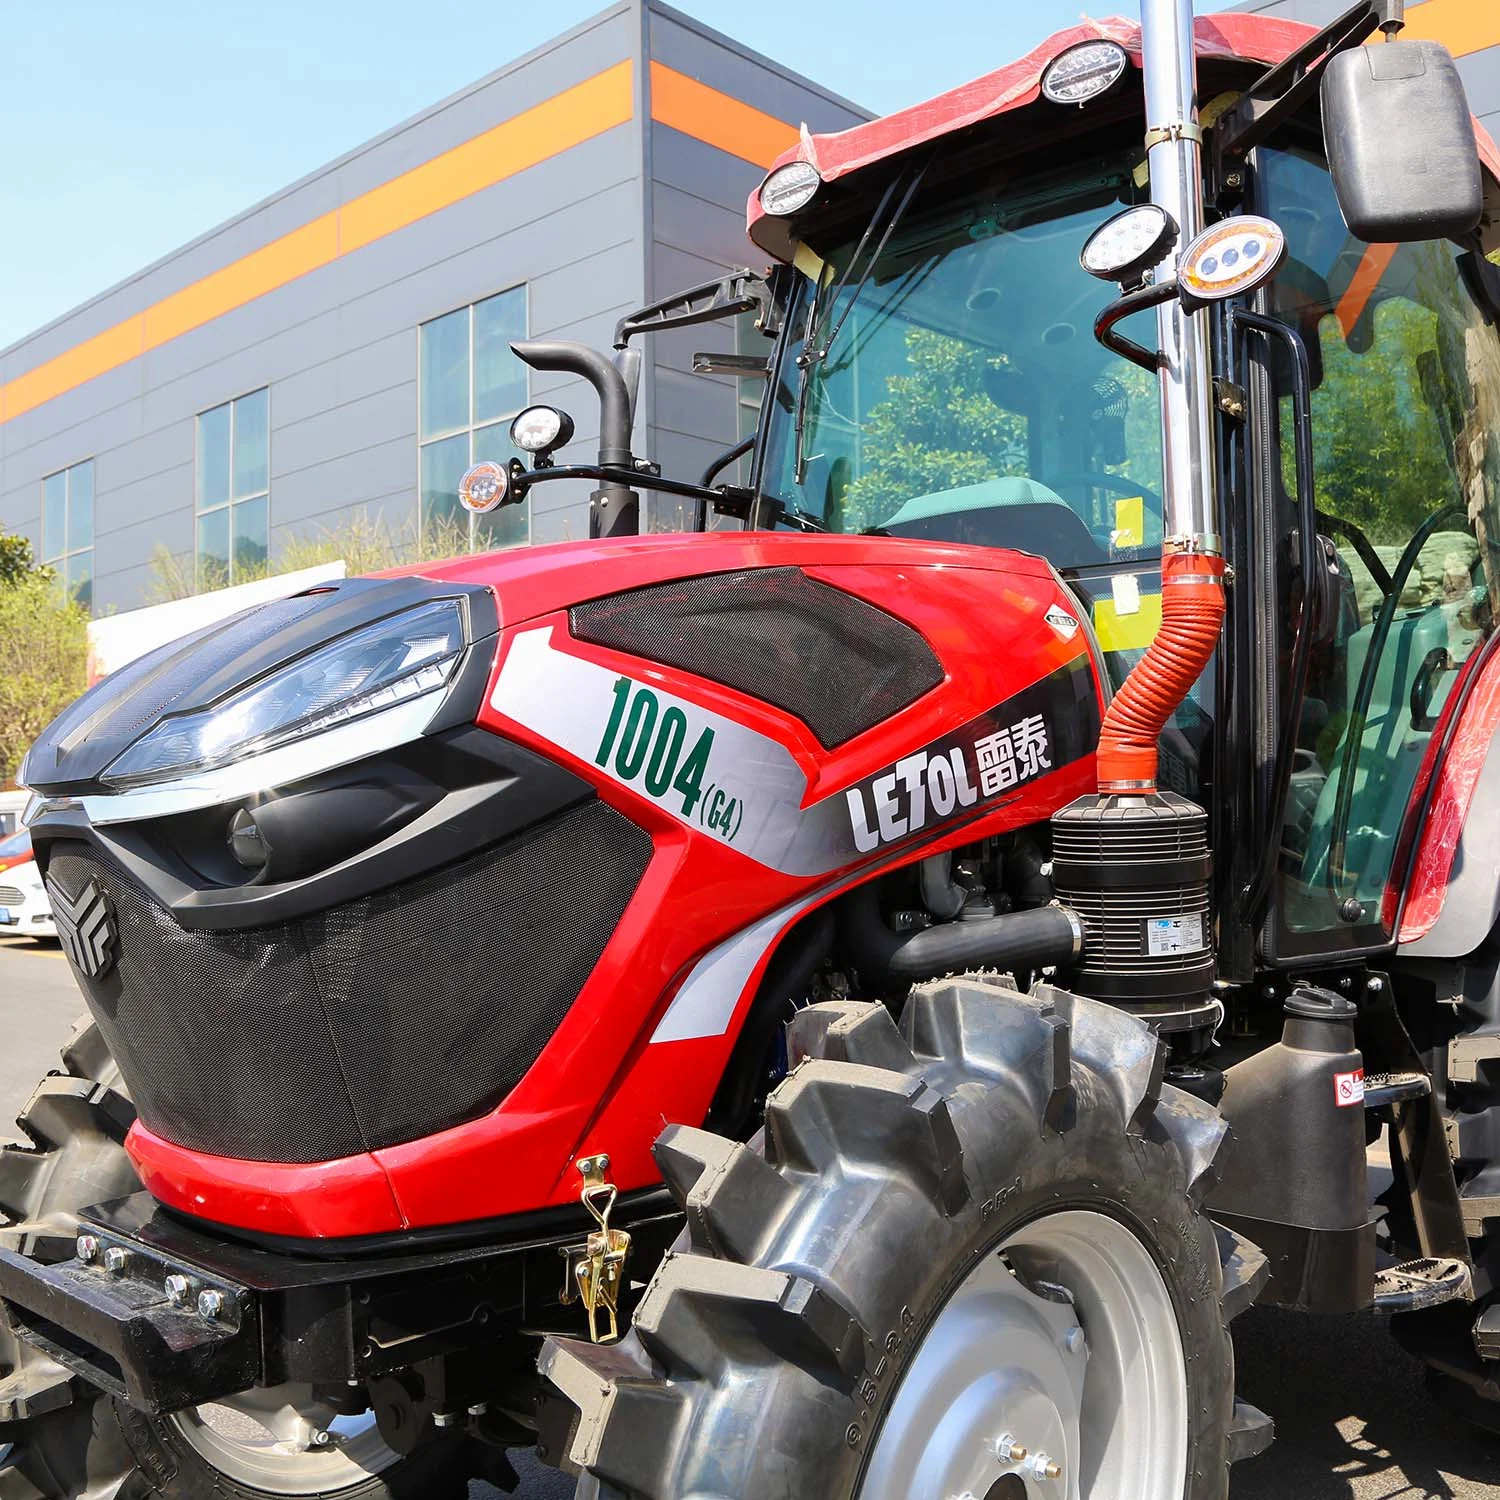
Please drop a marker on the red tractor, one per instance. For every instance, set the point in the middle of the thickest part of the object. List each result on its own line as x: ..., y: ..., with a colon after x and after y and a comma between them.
x: 851, y: 1005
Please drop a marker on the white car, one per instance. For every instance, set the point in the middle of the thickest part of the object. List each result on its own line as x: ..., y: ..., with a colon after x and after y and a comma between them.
x: 25, y: 910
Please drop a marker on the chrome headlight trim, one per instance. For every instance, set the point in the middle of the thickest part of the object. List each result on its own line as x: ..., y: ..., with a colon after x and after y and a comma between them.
x: 372, y: 735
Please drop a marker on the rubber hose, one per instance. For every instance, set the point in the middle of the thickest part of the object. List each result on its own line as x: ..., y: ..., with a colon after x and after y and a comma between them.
x: 1018, y: 940
x: 1192, y: 615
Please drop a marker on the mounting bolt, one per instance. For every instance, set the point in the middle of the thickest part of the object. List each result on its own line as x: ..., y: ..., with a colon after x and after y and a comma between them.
x: 1234, y: 179
x: 479, y: 1408
x: 1075, y: 1341
x: 87, y: 1248
x: 179, y: 1289
x: 445, y: 1419
x: 1374, y: 983
x: 210, y: 1304
x: 115, y: 1260
x: 1043, y: 1467
x: 321, y: 1438
x: 1009, y: 1451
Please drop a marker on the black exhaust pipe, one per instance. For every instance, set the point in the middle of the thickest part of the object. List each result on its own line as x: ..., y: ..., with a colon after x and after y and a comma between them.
x: 1042, y: 936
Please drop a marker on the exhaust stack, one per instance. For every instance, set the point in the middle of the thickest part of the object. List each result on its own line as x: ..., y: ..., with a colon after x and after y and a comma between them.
x: 1133, y: 863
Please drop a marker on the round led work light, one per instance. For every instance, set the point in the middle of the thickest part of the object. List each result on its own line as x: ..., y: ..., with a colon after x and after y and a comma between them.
x: 540, y: 429
x: 789, y: 188
x: 1084, y: 72
x: 1125, y: 247
x: 1230, y: 258
x: 484, y: 487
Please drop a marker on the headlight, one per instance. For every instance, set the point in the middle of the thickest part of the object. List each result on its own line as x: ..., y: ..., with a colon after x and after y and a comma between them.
x: 395, y: 660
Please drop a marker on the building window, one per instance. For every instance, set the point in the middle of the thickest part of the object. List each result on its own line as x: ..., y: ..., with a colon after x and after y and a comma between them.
x: 469, y: 386
x: 233, y: 502
x: 68, y: 529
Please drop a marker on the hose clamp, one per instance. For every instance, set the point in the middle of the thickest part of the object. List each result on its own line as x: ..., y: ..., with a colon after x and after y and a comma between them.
x: 1076, y: 923
x: 1179, y: 130
x: 1111, y: 788
x: 1204, y: 580
x: 1207, y: 543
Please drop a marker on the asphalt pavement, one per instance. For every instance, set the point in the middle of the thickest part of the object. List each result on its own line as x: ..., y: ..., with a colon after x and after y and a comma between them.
x: 1353, y: 1418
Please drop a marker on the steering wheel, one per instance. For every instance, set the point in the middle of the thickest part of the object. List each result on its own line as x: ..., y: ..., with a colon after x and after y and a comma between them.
x: 1116, y: 484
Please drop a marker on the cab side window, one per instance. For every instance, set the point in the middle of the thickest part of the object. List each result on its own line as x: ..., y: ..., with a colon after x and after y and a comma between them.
x: 1406, y: 424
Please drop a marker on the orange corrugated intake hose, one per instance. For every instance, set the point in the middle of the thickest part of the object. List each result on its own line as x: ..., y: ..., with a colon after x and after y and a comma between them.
x: 1192, y: 612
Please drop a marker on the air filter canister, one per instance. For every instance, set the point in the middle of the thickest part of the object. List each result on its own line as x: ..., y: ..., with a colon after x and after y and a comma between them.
x: 1135, y: 867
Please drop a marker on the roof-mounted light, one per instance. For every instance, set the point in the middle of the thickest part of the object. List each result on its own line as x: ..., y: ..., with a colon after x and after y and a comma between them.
x: 1230, y: 258
x: 1084, y: 72
x: 540, y: 429
x: 790, y: 188
x: 1125, y: 247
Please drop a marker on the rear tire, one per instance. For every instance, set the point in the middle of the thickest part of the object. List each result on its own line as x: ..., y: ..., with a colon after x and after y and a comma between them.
x: 66, y: 1439
x: 774, y: 1352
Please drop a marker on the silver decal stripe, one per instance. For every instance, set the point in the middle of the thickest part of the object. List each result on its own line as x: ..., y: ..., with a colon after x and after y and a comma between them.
x: 705, y: 1004
x: 745, y: 789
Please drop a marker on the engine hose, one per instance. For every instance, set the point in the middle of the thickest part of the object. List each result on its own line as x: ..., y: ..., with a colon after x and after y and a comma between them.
x: 1192, y: 614
x: 1020, y: 940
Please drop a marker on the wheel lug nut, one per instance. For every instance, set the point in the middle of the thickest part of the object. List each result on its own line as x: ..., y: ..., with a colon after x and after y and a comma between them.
x: 1009, y: 1451
x: 1043, y: 1467
x: 1074, y: 1341
x: 322, y: 1438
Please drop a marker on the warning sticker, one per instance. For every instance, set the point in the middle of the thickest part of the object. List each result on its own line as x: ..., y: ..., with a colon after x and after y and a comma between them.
x: 1166, y: 935
x: 1349, y: 1088
x: 1062, y: 622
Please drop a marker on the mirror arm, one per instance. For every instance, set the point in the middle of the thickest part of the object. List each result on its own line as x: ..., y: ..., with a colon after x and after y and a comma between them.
x: 741, y: 291
x: 712, y: 472
x: 1281, y: 91
x: 1121, y: 308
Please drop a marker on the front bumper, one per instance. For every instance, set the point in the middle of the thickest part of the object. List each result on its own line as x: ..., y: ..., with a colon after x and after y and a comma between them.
x: 166, y: 1316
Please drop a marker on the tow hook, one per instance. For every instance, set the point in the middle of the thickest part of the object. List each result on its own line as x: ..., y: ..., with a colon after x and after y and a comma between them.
x: 595, y: 1272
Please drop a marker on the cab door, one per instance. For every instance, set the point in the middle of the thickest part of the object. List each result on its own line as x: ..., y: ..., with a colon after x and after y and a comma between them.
x: 1406, y: 425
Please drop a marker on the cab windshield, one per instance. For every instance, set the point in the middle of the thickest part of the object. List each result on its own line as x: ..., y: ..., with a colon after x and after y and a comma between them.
x: 963, y: 396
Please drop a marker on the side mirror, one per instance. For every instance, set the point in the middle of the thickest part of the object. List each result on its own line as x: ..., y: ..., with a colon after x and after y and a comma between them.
x: 1401, y: 145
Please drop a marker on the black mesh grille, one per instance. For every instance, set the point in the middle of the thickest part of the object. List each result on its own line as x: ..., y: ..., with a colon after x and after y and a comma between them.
x: 372, y: 1023
x: 839, y: 664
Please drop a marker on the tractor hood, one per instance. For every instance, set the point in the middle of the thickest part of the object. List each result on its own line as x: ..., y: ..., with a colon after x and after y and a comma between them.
x: 333, y: 659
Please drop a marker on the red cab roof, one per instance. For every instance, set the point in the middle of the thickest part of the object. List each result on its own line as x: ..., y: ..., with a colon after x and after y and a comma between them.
x: 1258, y: 38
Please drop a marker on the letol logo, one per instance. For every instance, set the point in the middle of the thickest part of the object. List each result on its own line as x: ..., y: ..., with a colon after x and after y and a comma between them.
x: 86, y: 927
x: 1048, y: 725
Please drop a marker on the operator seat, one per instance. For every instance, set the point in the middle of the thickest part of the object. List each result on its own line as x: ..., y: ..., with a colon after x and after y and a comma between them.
x: 1012, y: 512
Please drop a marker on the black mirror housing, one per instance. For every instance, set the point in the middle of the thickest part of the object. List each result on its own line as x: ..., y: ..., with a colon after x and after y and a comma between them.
x: 1401, y: 145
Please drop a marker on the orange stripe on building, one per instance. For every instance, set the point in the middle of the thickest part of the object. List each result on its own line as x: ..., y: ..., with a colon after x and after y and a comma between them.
x: 1372, y: 266
x: 717, y: 120
x: 1462, y: 26
x: 568, y: 119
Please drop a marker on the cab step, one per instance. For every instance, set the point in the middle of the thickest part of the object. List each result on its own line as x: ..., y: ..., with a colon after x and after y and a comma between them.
x: 1384, y: 1089
x: 1487, y: 1332
x: 1421, y: 1283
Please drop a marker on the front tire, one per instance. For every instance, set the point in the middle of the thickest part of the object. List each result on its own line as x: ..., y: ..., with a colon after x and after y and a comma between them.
x: 980, y: 1234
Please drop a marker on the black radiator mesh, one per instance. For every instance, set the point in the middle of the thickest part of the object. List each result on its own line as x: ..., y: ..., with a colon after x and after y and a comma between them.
x: 835, y: 662
x: 372, y: 1023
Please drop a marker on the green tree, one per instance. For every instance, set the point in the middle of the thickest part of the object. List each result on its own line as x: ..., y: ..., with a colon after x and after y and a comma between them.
x: 43, y: 660
x: 15, y: 559
x: 936, y: 429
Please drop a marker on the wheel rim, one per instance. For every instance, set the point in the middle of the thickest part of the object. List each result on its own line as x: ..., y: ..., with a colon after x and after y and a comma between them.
x: 284, y: 1441
x: 1063, y: 1343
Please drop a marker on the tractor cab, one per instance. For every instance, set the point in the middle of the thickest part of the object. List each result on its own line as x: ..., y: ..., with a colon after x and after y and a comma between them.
x: 937, y: 376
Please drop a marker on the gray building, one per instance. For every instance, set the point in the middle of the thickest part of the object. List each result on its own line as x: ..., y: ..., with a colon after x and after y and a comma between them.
x: 341, y: 349
x: 1469, y: 29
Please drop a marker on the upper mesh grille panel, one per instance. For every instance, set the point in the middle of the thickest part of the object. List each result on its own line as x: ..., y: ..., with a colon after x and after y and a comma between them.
x: 838, y: 664
x: 373, y: 1023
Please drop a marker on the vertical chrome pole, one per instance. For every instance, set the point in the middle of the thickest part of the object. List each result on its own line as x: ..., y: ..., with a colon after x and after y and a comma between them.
x: 1174, y: 154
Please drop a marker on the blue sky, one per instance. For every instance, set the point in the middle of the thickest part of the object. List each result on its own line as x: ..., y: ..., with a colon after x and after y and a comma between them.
x: 131, y: 128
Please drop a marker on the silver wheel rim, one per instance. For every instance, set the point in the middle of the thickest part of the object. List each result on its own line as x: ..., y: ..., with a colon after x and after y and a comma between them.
x: 284, y: 1441
x: 1063, y: 1343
